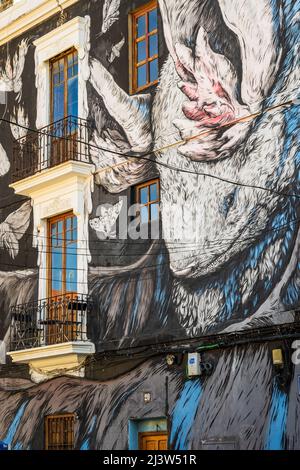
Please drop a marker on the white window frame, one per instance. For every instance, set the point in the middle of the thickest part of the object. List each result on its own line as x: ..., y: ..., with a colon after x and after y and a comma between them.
x: 73, y: 34
x: 66, y: 187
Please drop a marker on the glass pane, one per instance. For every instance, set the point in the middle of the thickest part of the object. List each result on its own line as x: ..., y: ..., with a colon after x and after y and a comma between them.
x: 56, y: 261
x: 141, y: 26
x: 61, y: 70
x: 58, y: 102
x: 153, y: 45
x: 71, y: 229
x: 72, y: 70
x: 153, y: 192
x: 73, y: 96
x: 153, y: 70
x: 56, y: 78
x: 74, y: 228
x: 53, y: 234
x: 144, y: 215
x: 141, y: 51
x: 144, y: 195
x: 55, y: 67
x: 154, y: 211
x: 68, y: 223
x: 142, y: 75
x: 152, y: 18
x: 70, y: 59
x: 60, y: 228
x: 71, y: 267
x: 68, y: 236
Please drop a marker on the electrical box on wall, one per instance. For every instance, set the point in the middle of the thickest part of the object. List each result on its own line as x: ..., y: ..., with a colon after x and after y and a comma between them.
x: 193, y: 364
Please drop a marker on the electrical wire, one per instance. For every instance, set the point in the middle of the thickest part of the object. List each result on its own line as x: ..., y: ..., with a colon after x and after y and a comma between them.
x: 130, y: 271
x: 218, y: 338
x: 192, y: 125
x: 157, y: 150
x: 163, y: 242
x: 171, y: 167
x: 146, y: 241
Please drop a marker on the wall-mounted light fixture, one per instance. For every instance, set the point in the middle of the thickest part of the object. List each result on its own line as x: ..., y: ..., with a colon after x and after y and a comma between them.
x: 171, y: 359
x: 277, y: 357
x: 147, y: 397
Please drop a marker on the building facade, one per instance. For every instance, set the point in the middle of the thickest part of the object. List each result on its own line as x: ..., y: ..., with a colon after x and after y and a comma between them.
x: 149, y: 224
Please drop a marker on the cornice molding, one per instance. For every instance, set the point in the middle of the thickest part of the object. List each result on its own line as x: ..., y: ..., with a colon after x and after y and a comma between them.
x: 25, y: 14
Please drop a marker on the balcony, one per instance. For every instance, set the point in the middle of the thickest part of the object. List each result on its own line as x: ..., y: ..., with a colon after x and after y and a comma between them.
x: 62, y: 141
x: 50, y: 334
x: 52, y: 168
x: 50, y: 321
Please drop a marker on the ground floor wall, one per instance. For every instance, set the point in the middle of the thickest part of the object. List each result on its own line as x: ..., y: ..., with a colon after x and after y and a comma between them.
x: 246, y: 403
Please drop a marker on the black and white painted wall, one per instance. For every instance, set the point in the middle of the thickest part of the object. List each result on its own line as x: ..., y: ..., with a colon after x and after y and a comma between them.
x: 228, y: 256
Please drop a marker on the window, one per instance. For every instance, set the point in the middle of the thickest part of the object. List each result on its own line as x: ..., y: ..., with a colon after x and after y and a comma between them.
x: 59, y: 432
x: 148, y: 197
x: 63, y: 254
x: 64, y: 85
x: 144, y: 55
x: 72, y: 36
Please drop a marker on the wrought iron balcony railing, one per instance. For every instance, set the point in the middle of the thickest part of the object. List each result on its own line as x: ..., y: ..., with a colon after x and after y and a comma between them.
x: 52, y: 145
x: 54, y: 320
x: 4, y: 4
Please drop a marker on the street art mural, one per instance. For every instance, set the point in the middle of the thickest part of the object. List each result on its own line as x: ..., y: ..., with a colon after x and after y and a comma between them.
x: 11, y: 81
x: 240, y: 261
x: 228, y: 258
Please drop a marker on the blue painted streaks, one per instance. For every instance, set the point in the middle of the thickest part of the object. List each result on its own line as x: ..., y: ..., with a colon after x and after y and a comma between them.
x: 18, y: 446
x: 277, y: 420
x: 14, y: 425
x: 86, y: 443
x: 184, y: 413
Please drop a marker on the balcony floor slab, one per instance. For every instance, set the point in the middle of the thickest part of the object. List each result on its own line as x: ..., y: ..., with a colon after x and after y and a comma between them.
x: 56, y: 359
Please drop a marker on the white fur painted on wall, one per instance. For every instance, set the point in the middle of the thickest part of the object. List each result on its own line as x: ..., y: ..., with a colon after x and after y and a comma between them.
x: 225, y: 62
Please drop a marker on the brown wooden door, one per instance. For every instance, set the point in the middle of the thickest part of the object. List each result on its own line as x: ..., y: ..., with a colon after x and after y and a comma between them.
x: 153, y: 441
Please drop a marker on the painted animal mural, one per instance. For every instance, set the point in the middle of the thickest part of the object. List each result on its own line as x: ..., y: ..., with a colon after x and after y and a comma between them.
x: 230, y: 191
x: 242, y: 263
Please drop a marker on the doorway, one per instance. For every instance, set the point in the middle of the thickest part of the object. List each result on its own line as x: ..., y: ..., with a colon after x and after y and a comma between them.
x: 148, y: 433
x: 153, y: 441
